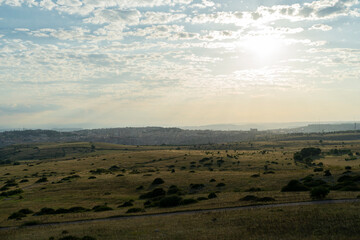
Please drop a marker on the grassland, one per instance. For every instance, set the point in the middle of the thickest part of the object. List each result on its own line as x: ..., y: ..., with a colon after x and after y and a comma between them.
x: 90, y: 174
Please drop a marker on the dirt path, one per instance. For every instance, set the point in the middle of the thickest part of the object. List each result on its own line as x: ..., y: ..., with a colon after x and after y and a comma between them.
x: 193, y: 212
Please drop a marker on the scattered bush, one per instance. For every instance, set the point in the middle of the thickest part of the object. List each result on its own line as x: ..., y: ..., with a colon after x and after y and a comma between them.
x: 196, y: 186
x: 43, y: 179
x: 157, y: 192
x: 212, y: 195
x: 126, y: 204
x: 99, y: 171
x: 101, y: 208
x: 188, y: 201
x: 249, y: 198
x: 255, y: 175
x: 327, y: 173
x: 25, y: 211
x: 173, y: 190
x: 220, y: 185
x: 135, y: 210
x: 92, y: 177
x: 70, y: 237
x: 11, y: 193
x: 253, y: 189
x: 266, y: 199
x: 318, y: 169
x: 319, y: 192
x: 45, y: 211
x: 212, y: 180
x: 69, y: 178
x: 171, y: 201
x: 294, y: 186
x: 157, y: 181
x: 17, y: 215
x: 202, y: 198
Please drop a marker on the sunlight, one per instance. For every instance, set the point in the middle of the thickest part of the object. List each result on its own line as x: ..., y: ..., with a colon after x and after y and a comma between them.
x: 263, y: 47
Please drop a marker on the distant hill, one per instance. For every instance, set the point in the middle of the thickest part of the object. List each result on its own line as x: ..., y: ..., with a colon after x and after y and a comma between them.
x: 127, y: 136
x: 314, y: 128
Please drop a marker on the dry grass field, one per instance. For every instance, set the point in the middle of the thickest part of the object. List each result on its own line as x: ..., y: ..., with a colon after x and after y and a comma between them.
x: 66, y: 175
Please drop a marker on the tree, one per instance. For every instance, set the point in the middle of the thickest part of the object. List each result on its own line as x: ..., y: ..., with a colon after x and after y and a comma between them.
x: 318, y: 193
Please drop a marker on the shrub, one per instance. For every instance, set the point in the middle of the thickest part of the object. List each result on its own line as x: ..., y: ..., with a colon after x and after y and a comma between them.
x: 294, y: 186
x: 92, y: 177
x: 266, y: 199
x: 220, y: 185
x: 17, y: 215
x: 78, y: 210
x: 319, y: 192
x: 253, y: 189
x: 327, y: 173
x: 100, y: 171
x: 126, y: 204
x: 101, y: 208
x: 157, y: 181
x: 212, y: 180
x: 157, y: 192
x: 255, y: 175
x: 188, y: 201
x: 25, y: 211
x: 173, y: 190
x: 212, y: 195
x: 196, y: 186
x: 24, y: 180
x: 171, y: 201
x: 43, y: 179
x: 202, y: 198
x: 318, y: 169
x: 249, y: 198
x: 11, y: 193
x: 30, y: 223
x: 140, y: 187
x: 135, y: 210
x: 45, y: 211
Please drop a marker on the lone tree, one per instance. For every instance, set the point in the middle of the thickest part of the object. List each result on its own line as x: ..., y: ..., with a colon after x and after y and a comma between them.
x: 318, y: 193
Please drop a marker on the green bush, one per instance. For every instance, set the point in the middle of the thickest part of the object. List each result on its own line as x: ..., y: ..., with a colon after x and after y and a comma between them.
x: 11, y: 193
x: 135, y: 210
x: 320, y: 192
x: 43, y: 179
x: 157, y: 181
x: 188, y: 201
x: 294, y: 186
x: 171, y: 201
x: 157, y: 192
x: 212, y: 195
x: 126, y: 204
x: 101, y: 208
x: 249, y: 198
x: 17, y: 215
x: 173, y: 190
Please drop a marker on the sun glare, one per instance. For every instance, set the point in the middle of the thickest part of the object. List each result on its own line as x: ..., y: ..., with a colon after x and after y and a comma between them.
x: 263, y: 47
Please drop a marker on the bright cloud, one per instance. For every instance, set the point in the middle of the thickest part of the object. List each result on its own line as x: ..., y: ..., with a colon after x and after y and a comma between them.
x: 81, y: 55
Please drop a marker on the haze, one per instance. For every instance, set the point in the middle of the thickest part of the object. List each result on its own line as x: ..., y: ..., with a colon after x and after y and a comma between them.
x: 178, y: 62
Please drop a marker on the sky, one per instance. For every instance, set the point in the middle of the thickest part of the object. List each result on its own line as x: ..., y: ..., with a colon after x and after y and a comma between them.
x: 117, y: 63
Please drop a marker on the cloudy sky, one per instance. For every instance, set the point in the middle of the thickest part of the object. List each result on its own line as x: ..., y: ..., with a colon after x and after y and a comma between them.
x: 96, y: 63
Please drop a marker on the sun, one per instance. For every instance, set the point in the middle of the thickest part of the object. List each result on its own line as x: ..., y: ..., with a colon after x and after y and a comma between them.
x: 264, y: 47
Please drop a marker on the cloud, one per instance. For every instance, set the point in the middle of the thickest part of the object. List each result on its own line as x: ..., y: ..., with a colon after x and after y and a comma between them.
x: 321, y: 27
x: 26, y: 108
x: 150, y: 18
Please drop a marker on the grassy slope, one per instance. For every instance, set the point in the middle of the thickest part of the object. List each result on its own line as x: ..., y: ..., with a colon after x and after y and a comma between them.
x: 143, y: 164
x: 339, y: 221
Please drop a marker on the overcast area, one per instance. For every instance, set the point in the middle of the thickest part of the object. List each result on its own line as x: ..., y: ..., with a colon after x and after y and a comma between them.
x: 112, y: 63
